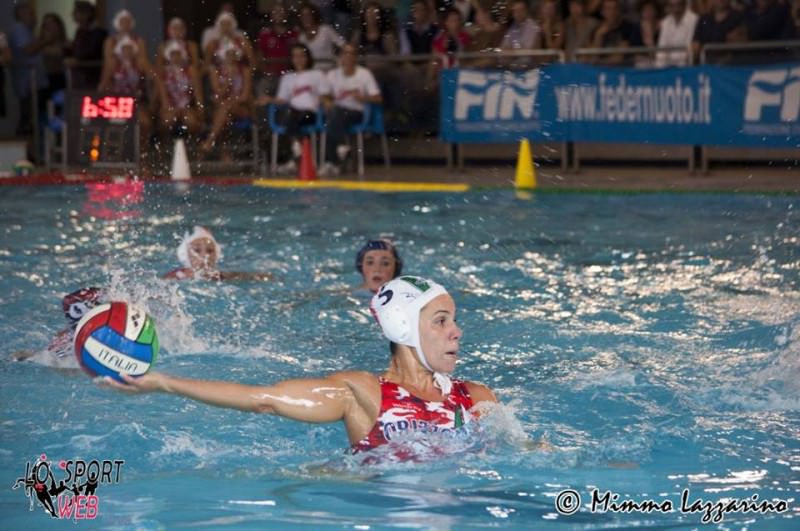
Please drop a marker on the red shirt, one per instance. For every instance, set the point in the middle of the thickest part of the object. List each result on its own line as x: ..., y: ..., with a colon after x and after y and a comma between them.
x: 446, y: 47
x: 277, y: 48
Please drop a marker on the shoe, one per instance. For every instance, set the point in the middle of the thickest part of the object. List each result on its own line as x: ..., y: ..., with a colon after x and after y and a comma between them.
x: 289, y: 168
x: 297, y: 149
x: 342, y: 151
x: 329, y: 170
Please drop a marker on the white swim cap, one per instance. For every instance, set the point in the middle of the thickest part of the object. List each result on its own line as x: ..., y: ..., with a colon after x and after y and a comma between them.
x: 225, y: 15
x: 118, y: 19
x: 174, y: 45
x: 199, y: 232
x: 397, y: 306
x: 123, y: 42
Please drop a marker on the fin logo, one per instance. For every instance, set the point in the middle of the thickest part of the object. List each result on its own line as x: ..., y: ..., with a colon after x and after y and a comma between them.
x: 499, y: 95
x: 779, y: 88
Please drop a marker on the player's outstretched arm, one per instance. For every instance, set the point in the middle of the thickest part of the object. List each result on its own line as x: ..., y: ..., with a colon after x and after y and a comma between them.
x: 309, y: 400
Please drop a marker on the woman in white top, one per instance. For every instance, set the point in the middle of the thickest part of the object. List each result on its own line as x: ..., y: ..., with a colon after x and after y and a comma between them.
x: 300, y: 92
x: 321, y: 39
x: 352, y: 87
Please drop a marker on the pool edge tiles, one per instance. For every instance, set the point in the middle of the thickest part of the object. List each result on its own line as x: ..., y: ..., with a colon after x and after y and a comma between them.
x: 365, y: 186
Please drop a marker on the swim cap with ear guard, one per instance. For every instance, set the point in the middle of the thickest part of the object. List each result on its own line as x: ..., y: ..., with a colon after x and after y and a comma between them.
x: 397, y: 306
x: 183, y: 248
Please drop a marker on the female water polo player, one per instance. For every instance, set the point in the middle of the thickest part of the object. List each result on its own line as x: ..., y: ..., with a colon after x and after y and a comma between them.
x: 413, y: 398
x: 59, y: 353
x: 378, y: 262
x: 199, y: 253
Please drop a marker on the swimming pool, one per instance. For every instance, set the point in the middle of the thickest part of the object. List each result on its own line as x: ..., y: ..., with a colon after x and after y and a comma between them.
x: 651, y: 340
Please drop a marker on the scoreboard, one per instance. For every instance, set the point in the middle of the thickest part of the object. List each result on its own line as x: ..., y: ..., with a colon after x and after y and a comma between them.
x: 103, y: 130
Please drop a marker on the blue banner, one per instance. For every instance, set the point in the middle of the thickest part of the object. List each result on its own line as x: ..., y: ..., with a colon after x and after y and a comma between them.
x: 703, y: 105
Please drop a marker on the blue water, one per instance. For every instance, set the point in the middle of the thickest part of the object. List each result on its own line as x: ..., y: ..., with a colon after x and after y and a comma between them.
x: 649, y: 342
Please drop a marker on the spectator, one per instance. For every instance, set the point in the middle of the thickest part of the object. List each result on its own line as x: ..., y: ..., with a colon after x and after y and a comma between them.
x: 275, y: 43
x: 53, y: 33
x: 523, y: 34
x: 466, y: 9
x: 721, y: 24
x: 677, y: 30
x: 770, y: 20
x: 578, y: 28
x: 176, y: 36
x: 5, y: 60
x: 321, y: 39
x: 613, y: 32
x: 124, y: 23
x: 417, y: 35
x: 226, y: 37
x: 649, y: 24
x: 180, y: 89
x: 27, y: 64
x: 87, y: 47
x: 373, y: 36
x: 212, y: 32
x: 343, y: 16
x: 300, y: 92
x: 352, y: 87
x: 552, y: 25
x: 451, y: 40
x: 231, y: 84
x: 487, y: 33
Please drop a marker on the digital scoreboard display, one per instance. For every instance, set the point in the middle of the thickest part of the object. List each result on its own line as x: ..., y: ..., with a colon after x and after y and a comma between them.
x: 102, y: 130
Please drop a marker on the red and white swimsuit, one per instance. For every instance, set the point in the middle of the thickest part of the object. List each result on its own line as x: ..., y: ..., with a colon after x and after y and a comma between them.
x: 404, y: 414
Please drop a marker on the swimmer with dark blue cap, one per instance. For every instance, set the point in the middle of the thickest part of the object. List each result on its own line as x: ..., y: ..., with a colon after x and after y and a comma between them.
x: 378, y: 262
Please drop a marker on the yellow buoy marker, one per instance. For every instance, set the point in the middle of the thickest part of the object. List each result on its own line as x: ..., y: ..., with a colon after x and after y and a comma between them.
x: 525, y: 176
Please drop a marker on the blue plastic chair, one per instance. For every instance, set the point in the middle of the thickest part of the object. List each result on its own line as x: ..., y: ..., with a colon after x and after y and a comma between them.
x: 247, y: 126
x: 55, y: 127
x: 312, y: 130
x: 372, y: 123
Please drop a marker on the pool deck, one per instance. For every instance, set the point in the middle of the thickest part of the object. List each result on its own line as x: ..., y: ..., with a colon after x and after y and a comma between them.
x: 756, y: 179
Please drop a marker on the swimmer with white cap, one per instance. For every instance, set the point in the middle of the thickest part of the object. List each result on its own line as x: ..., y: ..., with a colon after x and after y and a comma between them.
x: 415, y: 396
x: 199, y: 253
x: 59, y: 353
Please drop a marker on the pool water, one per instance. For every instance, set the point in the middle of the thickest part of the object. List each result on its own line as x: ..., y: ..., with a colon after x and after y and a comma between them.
x: 642, y: 345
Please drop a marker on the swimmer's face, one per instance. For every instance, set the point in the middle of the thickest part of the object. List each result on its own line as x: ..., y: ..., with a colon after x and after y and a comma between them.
x: 203, y: 254
x: 439, y: 334
x: 378, y: 268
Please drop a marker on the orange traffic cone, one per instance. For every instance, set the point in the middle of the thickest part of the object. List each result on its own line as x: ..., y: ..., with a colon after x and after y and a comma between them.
x: 308, y: 171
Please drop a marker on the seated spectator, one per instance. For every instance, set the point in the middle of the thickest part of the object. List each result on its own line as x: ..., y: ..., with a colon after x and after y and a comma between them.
x: 373, y: 37
x: 274, y: 44
x: 486, y: 33
x: 770, y: 20
x: 26, y: 62
x: 416, y: 36
x: 212, y: 32
x: 677, y: 30
x: 722, y: 24
x: 352, y: 87
x: 552, y: 25
x: 301, y: 92
x: 579, y: 28
x: 647, y: 31
x: 176, y: 36
x: 523, y: 34
x: 451, y: 40
x: 466, y: 9
x: 232, y: 88
x: 126, y: 73
x: 180, y: 90
x: 53, y: 33
x: 321, y: 39
x: 613, y: 32
x: 87, y: 47
x: 123, y: 23
x: 225, y: 38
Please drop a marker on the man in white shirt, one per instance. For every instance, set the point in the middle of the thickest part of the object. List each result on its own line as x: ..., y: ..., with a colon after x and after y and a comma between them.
x: 523, y: 34
x: 677, y: 29
x: 352, y: 88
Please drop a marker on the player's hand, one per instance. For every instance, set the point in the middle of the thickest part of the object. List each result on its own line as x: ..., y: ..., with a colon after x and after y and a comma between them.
x: 146, y: 383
